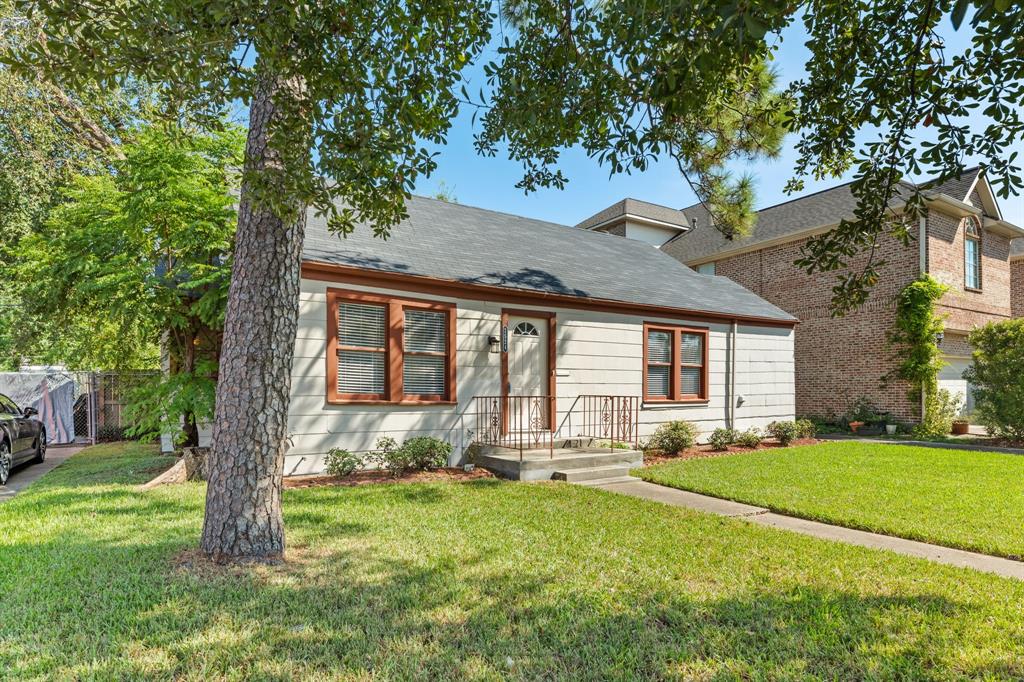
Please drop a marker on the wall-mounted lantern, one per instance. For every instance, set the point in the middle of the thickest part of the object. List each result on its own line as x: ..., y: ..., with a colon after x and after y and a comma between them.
x: 493, y: 344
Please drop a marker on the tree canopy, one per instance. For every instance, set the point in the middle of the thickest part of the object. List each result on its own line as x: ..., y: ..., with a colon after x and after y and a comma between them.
x: 618, y: 77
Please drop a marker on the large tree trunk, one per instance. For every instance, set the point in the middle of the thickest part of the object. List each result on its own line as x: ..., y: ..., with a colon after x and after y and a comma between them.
x: 243, y: 499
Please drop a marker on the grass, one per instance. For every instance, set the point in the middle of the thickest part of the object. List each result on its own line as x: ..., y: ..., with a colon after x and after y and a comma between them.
x: 959, y: 498
x: 482, y: 580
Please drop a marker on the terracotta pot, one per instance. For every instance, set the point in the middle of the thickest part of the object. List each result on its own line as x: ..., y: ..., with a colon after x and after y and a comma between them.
x: 961, y: 428
x: 854, y: 426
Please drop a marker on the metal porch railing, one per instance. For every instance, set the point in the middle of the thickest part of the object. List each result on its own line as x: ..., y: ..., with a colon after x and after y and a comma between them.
x: 615, y: 418
x: 525, y: 422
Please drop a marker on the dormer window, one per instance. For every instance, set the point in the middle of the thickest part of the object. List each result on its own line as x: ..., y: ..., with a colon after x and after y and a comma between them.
x: 972, y: 254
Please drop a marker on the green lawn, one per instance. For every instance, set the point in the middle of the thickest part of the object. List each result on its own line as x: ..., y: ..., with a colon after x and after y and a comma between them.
x: 959, y: 498
x: 484, y: 580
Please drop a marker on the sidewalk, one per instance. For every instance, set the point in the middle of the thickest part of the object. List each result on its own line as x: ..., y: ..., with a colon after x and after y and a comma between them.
x: 761, y: 516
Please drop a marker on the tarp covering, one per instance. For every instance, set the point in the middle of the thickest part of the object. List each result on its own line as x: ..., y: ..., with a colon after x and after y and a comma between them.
x: 53, y: 394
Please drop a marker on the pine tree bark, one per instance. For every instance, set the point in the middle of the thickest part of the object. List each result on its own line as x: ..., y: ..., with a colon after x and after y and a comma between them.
x: 243, y: 499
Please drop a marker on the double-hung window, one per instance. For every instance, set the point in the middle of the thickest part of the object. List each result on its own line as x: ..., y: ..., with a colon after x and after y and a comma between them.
x: 675, y: 363
x: 362, y: 349
x: 384, y: 349
x: 972, y: 253
x: 425, y: 354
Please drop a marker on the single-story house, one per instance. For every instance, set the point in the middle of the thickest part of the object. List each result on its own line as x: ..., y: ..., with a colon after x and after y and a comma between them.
x: 474, y: 325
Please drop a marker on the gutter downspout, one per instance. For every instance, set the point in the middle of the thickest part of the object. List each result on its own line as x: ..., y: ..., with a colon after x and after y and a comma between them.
x: 732, y: 375
x: 922, y: 233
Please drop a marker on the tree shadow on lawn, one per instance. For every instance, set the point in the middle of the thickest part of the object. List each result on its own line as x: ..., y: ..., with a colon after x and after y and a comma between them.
x: 366, y: 608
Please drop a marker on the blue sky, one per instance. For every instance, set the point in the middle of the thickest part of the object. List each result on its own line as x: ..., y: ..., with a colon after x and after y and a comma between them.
x: 490, y: 182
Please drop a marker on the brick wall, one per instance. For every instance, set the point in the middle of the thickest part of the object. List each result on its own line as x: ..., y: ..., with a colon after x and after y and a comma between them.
x: 840, y: 360
x: 966, y: 309
x: 1017, y: 286
x: 837, y: 359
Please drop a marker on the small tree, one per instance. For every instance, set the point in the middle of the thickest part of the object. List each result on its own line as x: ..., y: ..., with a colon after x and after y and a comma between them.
x: 997, y: 378
x: 140, y: 258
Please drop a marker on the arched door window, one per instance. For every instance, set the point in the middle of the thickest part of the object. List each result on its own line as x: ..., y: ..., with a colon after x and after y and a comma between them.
x: 525, y: 329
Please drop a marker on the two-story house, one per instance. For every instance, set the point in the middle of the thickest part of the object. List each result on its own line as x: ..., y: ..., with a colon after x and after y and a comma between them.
x: 966, y: 244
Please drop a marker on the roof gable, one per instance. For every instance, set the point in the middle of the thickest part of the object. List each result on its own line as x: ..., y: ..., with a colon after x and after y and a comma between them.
x: 805, y: 215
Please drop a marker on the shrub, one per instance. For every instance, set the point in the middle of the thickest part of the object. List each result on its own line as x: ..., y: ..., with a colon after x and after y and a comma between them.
x: 784, y: 432
x: 997, y: 378
x: 940, y: 409
x: 805, y: 428
x: 721, y: 439
x: 427, y: 452
x: 862, y: 410
x: 341, y: 463
x: 415, y: 454
x: 750, y: 438
x: 673, y: 437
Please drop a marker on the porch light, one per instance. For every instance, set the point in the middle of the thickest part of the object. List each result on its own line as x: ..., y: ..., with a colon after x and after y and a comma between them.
x: 493, y: 344
x: 939, y: 337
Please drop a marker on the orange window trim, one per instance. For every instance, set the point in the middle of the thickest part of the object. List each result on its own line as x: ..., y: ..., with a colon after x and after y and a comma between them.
x: 394, y: 393
x: 675, y: 394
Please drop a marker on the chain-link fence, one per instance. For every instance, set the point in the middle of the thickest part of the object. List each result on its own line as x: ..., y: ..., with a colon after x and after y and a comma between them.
x: 76, y: 407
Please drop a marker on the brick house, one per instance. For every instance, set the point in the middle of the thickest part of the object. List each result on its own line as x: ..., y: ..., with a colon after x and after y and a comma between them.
x: 967, y: 246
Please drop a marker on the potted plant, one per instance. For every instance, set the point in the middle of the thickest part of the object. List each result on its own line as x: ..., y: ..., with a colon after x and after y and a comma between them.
x: 890, y: 429
x: 854, y: 425
x: 961, y: 427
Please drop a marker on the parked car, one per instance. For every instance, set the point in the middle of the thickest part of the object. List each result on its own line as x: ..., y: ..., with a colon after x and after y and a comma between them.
x: 22, y: 437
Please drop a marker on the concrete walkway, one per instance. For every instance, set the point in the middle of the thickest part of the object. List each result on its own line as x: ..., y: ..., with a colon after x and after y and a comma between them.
x: 761, y: 516
x: 26, y: 474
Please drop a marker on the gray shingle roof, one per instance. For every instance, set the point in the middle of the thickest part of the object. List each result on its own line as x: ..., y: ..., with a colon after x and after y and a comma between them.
x: 819, y: 209
x: 635, y: 207
x: 473, y: 245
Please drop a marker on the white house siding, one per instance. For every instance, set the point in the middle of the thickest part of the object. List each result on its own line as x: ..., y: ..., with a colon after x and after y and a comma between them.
x: 653, y: 235
x: 598, y: 353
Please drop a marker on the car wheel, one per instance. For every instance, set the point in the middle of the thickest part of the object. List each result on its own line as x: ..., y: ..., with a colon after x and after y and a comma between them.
x: 40, y: 448
x: 5, y: 462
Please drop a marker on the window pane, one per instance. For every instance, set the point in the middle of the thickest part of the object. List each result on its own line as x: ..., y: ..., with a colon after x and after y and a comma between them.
x: 424, y: 375
x: 360, y: 372
x: 693, y: 349
x: 972, y: 265
x: 657, y: 381
x: 689, y: 380
x: 659, y: 346
x: 362, y: 325
x: 425, y: 331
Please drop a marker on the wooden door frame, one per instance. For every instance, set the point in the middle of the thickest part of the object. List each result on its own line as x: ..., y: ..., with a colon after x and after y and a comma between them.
x: 552, y: 358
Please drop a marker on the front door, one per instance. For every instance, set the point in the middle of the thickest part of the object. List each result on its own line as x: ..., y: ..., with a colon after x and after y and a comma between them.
x: 528, y: 372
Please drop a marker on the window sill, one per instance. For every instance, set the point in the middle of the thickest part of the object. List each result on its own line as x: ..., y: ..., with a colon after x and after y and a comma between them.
x: 666, y: 404
x: 973, y: 290
x: 398, y: 403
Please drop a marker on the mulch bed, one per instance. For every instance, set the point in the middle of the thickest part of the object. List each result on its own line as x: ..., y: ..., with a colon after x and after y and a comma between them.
x: 702, y: 451
x: 448, y: 475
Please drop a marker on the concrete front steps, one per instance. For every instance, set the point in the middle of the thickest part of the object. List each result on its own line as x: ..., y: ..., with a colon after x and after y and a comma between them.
x: 585, y: 465
x: 590, y: 475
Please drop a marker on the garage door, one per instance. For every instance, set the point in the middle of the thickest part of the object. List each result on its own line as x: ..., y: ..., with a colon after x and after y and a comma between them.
x: 951, y: 379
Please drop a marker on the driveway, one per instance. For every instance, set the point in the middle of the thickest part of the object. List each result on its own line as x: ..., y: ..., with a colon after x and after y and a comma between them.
x: 26, y: 474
